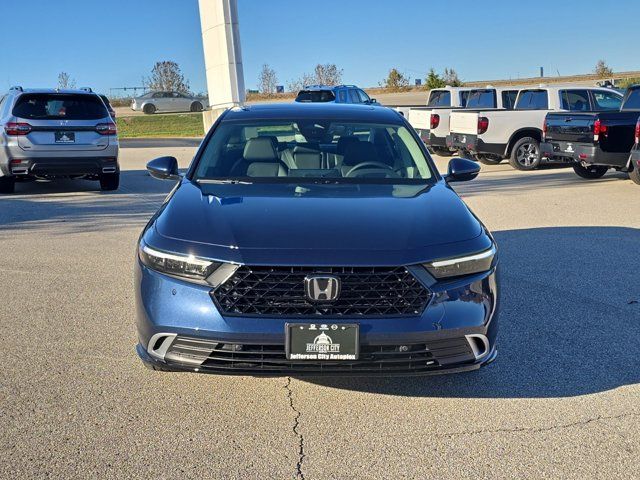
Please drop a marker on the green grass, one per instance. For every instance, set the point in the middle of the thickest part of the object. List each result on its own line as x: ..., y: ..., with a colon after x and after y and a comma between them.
x: 165, y: 125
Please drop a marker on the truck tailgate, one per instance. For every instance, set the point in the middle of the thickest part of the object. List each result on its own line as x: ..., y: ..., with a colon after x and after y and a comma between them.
x: 464, y: 122
x: 420, y: 118
x: 570, y: 127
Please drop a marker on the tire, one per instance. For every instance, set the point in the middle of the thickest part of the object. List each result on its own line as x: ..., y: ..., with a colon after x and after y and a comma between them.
x: 489, y: 160
x: 634, y: 175
x: 109, y: 181
x: 149, y: 109
x: 196, y: 107
x: 591, y: 172
x: 525, y: 154
x: 7, y: 184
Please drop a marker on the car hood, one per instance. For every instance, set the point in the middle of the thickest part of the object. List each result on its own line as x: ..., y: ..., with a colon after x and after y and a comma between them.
x: 317, y: 224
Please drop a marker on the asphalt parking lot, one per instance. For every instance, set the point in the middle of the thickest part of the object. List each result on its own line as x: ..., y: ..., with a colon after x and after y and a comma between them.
x: 561, y: 401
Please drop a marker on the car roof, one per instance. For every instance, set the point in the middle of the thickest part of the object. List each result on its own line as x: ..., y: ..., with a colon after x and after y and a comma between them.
x: 54, y: 90
x: 315, y: 88
x: 309, y: 111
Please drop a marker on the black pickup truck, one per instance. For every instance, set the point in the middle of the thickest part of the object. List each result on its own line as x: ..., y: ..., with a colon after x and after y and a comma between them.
x: 593, y: 141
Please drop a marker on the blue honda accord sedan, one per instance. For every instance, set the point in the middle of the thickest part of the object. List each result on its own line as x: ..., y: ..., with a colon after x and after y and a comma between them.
x: 311, y: 239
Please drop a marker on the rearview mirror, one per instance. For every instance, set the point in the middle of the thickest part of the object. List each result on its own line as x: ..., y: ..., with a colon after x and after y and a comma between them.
x: 164, y: 168
x: 462, y: 170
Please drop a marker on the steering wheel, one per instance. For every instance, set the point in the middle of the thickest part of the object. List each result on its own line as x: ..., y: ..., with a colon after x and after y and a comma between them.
x: 370, y: 164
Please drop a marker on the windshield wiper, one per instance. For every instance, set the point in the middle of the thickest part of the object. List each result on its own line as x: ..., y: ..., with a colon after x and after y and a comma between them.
x: 223, y: 181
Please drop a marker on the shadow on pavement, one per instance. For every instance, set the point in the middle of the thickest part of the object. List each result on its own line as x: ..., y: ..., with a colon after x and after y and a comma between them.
x: 539, y: 180
x: 569, y: 322
x: 79, y: 205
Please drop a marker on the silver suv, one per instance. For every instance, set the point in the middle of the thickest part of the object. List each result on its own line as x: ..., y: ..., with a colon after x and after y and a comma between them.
x: 153, y: 102
x: 57, y: 133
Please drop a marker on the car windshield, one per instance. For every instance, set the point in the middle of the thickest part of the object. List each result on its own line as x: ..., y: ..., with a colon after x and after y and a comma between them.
x: 315, y: 96
x: 315, y: 151
x: 55, y: 106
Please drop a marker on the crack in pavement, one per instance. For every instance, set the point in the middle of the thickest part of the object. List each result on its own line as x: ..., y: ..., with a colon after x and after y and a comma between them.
x: 296, y: 424
x: 538, y: 430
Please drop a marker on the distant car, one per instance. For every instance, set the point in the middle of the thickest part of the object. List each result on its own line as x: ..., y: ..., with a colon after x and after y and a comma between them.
x: 107, y: 104
x: 334, y: 94
x: 57, y: 133
x: 153, y: 102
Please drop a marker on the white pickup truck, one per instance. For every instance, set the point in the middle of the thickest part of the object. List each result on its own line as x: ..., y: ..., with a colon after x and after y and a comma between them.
x: 493, y: 135
x: 432, y: 122
x: 441, y: 102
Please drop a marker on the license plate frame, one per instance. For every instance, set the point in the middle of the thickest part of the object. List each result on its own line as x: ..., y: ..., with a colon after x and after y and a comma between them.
x: 64, y: 138
x: 322, y: 342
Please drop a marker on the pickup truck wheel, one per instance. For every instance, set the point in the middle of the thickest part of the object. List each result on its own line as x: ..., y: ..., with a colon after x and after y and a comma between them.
x: 149, y: 109
x: 525, y: 154
x: 591, y: 172
x: 488, y: 160
x: 634, y: 175
x: 109, y: 181
x: 7, y: 184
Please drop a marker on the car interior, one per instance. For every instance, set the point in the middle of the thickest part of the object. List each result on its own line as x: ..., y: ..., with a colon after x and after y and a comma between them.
x: 314, y: 150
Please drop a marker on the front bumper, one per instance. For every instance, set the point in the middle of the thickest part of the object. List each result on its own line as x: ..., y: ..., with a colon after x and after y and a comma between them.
x: 180, y: 329
x: 586, y: 154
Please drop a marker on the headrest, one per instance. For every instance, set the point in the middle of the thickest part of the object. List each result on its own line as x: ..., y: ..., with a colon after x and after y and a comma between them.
x: 360, y: 152
x: 344, y: 142
x: 260, y: 149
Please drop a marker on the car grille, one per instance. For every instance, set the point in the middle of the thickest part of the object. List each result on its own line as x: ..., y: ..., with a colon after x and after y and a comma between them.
x: 251, y: 359
x: 280, y: 291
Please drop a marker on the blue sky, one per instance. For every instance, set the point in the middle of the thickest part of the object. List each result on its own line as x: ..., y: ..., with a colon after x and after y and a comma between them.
x: 115, y: 43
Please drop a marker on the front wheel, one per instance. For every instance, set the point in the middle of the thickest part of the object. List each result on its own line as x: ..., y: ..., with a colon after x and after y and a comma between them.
x: 591, y: 172
x: 196, y: 107
x: 149, y: 109
x: 634, y: 175
x: 525, y: 154
x: 109, y: 181
x: 7, y: 184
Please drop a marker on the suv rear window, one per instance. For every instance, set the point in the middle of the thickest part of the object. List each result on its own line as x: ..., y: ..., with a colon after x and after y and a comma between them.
x: 481, y: 99
x: 533, y: 100
x: 439, y: 98
x: 59, y: 106
x: 315, y: 96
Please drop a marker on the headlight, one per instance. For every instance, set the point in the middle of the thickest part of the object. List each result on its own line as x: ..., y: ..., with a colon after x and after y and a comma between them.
x: 467, y: 265
x: 183, y: 266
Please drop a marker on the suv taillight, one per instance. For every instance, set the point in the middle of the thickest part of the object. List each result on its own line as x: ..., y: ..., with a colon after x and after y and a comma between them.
x: 544, y: 129
x: 107, y: 128
x: 15, y: 129
x: 434, y: 121
x: 637, y: 132
x: 483, y: 125
x: 599, y: 129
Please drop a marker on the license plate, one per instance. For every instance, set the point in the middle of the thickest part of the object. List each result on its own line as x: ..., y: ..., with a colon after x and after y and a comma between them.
x: 322, y: 341
x: 65, y: 137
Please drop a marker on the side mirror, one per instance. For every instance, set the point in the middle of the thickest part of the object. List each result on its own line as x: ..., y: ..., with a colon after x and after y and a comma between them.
x: 164, y: 168
x: 373, y: 101
x: 462, y: 170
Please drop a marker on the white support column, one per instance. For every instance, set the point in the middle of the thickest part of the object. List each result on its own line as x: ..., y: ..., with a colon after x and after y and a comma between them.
x: 222, y: 56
